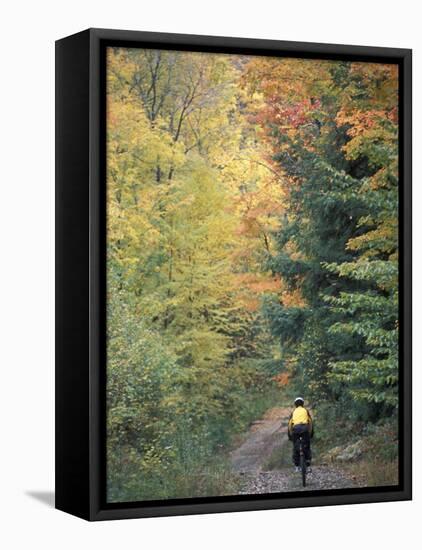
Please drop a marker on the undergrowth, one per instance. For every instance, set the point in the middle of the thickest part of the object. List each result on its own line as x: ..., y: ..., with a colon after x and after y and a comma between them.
x: 377, y: 465
x: 200, y: 465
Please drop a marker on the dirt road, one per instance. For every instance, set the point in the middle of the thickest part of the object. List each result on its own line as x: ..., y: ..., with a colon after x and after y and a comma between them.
x: 267, y: 437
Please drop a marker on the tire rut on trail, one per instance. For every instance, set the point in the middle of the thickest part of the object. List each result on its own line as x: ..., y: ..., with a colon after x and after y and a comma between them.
x: 264, y: 436
x: 249, y: 461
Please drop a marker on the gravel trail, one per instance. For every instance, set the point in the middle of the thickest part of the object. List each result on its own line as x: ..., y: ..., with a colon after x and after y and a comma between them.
x: 266, y: 436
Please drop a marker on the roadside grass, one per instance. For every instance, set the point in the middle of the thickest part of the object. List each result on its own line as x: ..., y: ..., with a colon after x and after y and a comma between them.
x: 202, y: 466
x: 372, y: 473
x: 213, y: 479
x: 377, y: 465
x: 367, y: 471
x: 180, y: 481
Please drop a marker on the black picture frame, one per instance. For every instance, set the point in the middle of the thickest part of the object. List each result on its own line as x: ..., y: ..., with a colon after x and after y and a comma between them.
x: 80, y: 273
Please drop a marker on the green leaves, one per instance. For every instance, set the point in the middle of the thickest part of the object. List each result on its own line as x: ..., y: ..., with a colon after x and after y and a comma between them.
x: 189, y: 213
x: 251, y: 229
x: 338, y: 242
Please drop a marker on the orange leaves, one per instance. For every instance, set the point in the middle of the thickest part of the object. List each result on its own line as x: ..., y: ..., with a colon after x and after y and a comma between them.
x: 292, y: 299
x: 367, y: 111
x: 288, y: 78
x: 252, y: 286
x: 259, y: 284
x: 358, y: 121
x: 372, y: 116
x: 361, y: 121
x: 282, y: 379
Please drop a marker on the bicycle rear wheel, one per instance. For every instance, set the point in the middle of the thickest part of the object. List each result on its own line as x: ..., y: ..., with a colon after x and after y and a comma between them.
x: 303, y: 469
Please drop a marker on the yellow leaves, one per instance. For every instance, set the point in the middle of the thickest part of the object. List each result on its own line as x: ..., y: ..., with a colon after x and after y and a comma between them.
x: 194, y: 197
x: 382, y: 178
x: 133, y: 142
x: 199, y: 213
x: 381, y: 239
x: 206, y: 348
x: 380, y: 81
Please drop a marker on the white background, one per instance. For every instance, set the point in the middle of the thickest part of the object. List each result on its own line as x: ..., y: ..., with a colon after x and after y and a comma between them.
x: 27, y: 37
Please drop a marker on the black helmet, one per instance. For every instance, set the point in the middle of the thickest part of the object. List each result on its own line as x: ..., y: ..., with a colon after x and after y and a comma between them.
x: 299, y: 401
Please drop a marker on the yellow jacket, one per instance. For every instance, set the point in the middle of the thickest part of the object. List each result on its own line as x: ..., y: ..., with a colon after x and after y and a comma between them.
x: 300, y: 415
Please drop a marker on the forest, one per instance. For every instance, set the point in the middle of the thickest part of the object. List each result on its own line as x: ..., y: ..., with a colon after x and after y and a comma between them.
x: 252, y: 255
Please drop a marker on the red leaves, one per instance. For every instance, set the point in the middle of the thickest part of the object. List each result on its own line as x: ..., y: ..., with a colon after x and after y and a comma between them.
x: 283, y: 113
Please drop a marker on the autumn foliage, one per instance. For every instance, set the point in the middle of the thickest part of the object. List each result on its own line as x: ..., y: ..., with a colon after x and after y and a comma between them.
x: 251, y: 244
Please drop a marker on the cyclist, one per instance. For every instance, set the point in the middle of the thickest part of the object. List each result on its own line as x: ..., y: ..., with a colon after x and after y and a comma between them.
x: 300, y: 424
